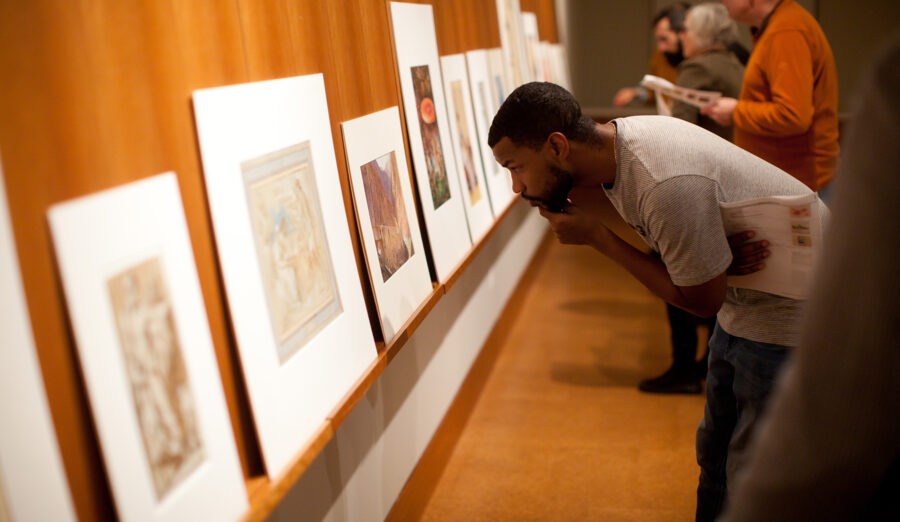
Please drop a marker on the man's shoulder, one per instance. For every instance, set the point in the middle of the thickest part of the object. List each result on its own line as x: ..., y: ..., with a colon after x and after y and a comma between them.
x: 792, y: 17
x: 658, y: 133
x: 630, y: 124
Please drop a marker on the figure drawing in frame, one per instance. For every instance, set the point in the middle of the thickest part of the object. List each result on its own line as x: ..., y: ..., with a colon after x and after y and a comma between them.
x: 387, y: 212
x: 160, y: 390
x: 431, y: 138
x: 513, y: 34
x: 498, y: 87
x: 465, y: 143
x: 488, y: 118
x: 291, y: 246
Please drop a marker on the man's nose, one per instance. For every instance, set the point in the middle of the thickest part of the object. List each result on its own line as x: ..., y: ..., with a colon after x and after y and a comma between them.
x: 517, y: 185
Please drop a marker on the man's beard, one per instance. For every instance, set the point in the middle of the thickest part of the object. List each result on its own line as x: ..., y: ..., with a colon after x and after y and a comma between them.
x: 674, y: 58
x: 559, y: 184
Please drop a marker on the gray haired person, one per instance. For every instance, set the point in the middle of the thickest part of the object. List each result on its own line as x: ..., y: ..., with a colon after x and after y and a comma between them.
x: 710, y: 65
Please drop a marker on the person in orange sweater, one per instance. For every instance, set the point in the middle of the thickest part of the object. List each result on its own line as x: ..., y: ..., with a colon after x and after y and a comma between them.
x: 787, y: 110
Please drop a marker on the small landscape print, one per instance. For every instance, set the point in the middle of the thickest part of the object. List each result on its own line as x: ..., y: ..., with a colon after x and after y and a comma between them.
x: 387, y: 212
x: 465, y: 143
x: 291, y: 246
x: 431, y: 138
x: 160, y: 390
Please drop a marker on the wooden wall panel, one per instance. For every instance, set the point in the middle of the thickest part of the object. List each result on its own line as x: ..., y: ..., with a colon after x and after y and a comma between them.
x: 546, y: 15
x: 97, y: 93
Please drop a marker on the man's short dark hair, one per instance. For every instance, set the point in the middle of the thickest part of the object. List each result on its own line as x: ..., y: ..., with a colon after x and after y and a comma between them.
x: 676, y: 14
x: 536, y: 110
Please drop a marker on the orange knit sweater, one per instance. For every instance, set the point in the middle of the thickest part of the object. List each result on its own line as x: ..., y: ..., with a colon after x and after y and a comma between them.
x: 787, y: 111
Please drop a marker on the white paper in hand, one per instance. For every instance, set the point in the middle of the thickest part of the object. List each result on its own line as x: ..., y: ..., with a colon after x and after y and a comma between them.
x: 793, y: 227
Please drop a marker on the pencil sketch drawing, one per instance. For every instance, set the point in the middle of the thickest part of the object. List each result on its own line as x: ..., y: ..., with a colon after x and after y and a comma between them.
x: 465, y: 142
x: 486, y: 113
x: 160, y: 389
x: 291, y: 246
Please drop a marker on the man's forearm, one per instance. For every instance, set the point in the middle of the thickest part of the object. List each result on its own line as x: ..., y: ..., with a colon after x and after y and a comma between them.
x: 649, y: 270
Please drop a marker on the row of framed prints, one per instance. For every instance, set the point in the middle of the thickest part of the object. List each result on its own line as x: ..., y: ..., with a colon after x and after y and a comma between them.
x: 288, y: 266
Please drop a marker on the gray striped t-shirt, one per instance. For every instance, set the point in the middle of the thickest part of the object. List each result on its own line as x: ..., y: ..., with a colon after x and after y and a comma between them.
x: 671, y: 176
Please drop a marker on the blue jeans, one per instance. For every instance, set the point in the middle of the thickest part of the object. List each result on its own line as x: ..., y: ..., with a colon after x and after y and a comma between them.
x: 740, y: 377
x: 826, y: 193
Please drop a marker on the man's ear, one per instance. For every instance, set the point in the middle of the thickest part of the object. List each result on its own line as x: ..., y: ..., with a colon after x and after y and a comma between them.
x: 558, y: 145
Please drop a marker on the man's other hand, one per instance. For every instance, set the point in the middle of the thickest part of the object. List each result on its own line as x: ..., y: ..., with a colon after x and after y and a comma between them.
x: 624, y: 96
x: 747, y: 256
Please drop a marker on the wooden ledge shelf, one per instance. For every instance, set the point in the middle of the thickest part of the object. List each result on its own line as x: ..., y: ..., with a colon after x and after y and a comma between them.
x: 264, y: 494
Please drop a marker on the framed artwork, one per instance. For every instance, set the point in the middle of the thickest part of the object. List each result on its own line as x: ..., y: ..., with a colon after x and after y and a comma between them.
x: 512, y: 41
x: 560, y: 64
x: 430, y: 142
x: 500, y: 84
x: 465, y: 144
x: 146, y: 353
x: 386, y: 214
x: 291, y: 246
x: 545, y: 61
x: 291, y: 279
x: 154, y: 366
x: 485, y: 106
x: 33, y: 483
x: 435, y: 162
x: 532, y: 44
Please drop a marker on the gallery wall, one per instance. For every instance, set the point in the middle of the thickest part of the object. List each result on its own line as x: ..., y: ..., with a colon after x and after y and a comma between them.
x: 97, y: 93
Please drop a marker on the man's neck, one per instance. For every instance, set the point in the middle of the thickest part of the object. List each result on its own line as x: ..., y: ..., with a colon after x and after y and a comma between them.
x: 595, y: 164
x: 759, y: 12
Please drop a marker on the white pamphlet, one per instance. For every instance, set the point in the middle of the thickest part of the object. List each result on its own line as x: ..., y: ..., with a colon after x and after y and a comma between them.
x: 692, y: 96
x: 793, y: 227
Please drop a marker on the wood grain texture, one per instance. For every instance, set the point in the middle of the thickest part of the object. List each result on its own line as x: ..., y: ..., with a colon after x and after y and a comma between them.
x: 97, y: 93
x: 546, y: 16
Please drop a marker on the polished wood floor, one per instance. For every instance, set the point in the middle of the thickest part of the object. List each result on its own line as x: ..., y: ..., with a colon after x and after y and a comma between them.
x: 559, y: 430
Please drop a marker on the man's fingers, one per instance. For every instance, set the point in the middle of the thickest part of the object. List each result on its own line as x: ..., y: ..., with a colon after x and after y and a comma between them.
x: 750, y: 249
x: 744, y: 270
x: 751, y: 259
x: 740, y: 237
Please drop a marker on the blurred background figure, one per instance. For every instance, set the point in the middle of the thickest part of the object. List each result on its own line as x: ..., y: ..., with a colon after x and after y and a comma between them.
x: 665, y: 58
x: 829, y: 448
x: 709, y: 65
x: 787, y: 110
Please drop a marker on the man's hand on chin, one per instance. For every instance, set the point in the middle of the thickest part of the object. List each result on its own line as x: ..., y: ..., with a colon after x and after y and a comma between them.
x: 575, y: 226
